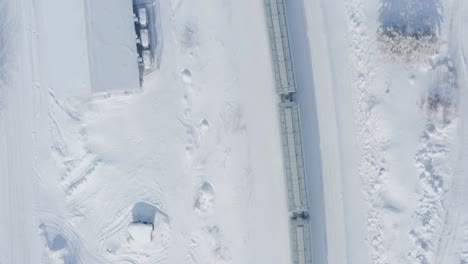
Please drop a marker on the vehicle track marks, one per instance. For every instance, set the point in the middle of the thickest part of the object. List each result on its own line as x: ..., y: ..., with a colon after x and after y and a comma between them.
x: 79, y: 174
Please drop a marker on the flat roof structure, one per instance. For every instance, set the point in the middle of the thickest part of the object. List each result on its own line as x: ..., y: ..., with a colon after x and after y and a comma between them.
x: 62, y: 44
x: 113, y: 58
x: 279, y: 45
x: 293, y: 157
x: 300, y: 241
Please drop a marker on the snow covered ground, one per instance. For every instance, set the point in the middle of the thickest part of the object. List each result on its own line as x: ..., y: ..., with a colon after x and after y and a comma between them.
x: 391, y: 122
x: 189, y: 170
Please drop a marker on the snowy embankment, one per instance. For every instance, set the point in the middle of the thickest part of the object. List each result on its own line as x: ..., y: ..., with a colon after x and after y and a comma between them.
x: 189, y: 170
x: 399, y: 87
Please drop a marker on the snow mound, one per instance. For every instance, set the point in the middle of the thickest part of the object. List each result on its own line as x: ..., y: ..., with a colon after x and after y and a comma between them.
x: 140, y: 233
x: 409, y: 48
x: 187, y: 76
x: 143, y: 234
x: 204, y: 125
x: 205, y: 198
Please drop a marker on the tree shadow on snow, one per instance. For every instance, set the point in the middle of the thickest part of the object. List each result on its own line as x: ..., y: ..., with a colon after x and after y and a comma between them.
x: 416, y: 18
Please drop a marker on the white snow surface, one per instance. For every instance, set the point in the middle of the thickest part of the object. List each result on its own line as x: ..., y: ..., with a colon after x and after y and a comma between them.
x: 188, y: 170
x: 196, y: 154
x: 140, y: 233
x: 391, y: 131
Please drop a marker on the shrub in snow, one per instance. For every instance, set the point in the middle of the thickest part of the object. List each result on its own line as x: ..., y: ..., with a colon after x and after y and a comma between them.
x: 140, y: 233
x: 410, y: 48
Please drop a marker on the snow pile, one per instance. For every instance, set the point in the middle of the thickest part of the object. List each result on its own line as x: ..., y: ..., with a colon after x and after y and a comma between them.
x: 141, y: 229
x: 140, y: 233
x: 441, y: 100
x: 58, y: 250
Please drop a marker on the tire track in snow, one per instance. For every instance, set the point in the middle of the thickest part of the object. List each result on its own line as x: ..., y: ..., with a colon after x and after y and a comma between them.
x: 78, y: 175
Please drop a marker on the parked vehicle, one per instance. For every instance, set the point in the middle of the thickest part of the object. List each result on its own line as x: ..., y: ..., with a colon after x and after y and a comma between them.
x: 143, y: 15
x: 147, y: 59
x: 144, y: 37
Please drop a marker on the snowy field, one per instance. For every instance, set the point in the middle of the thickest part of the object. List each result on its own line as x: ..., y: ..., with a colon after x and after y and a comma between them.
x: 189, y: 170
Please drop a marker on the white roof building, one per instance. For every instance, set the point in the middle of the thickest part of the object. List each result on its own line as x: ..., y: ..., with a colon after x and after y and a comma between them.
x: 98, y: 48
x: 112, y: 50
